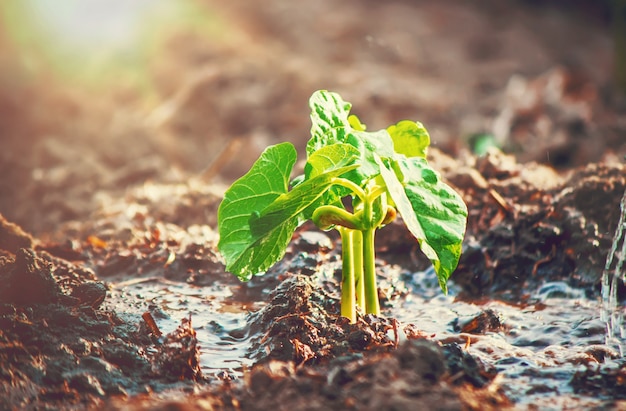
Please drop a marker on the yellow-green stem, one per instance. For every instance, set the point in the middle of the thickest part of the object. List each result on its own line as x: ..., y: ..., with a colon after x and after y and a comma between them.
x: 372, y: 306
x: 348, y: 291
x: 357, y: 258
x: 356, y: 190
x: 328, y: 216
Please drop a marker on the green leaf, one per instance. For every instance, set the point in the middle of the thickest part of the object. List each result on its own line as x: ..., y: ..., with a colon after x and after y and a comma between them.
x: 410, y: 138
x: 329, y: 118
x: 370, y: 144
x: 246, y: 255
x: 290, y: 209
x: 330, y: 157
x: 333, y: 123
x: 432, y: 211
x: 259, y: 213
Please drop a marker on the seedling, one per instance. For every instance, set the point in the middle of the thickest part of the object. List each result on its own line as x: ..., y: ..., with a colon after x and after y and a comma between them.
x: 354, y: 181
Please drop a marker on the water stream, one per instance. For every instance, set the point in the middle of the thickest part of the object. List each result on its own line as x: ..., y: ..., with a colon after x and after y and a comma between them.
x: 545, y: 342
x: 218, y: 319
x: 614, y: 272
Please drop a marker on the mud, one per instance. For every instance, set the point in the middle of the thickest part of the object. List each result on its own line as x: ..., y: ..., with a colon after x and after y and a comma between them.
x: 113, y: 295
x: 519, y: 239
x: 65, y: 345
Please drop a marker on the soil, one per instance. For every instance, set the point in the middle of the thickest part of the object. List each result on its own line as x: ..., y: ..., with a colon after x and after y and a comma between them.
x: 113, y: 294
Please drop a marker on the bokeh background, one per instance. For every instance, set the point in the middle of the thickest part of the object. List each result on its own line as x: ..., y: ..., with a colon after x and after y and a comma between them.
x: 97, y: 96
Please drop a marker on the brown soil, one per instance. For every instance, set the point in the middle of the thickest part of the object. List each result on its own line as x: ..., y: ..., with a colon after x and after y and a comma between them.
x: 99, y: 194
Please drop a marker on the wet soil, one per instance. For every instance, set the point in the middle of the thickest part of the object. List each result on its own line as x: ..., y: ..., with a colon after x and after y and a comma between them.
x: 113, y: 295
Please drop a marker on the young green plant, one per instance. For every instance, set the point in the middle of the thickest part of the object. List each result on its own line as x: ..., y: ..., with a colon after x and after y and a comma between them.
x: 354, y: 181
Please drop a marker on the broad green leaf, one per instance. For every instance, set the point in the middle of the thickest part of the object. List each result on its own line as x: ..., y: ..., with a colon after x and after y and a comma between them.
x: 329, y: 118
x: 442, y: 213
x: 405, y: 208
x: 410, y: 138
x: 330, y: 157
x: 371, y: 144
x: 432, y: 211
x: 333, y: 123
x: 288, y: 210
x: 268, y: 178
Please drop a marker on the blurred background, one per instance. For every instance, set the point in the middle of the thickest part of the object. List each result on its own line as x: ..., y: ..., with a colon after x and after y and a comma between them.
x: 97, y: 96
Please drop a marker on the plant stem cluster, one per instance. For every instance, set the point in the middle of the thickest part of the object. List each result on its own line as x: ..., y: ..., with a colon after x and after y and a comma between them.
x: 357, y: 230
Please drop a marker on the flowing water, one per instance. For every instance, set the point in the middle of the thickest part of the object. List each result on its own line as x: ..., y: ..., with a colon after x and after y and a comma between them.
x: 541, y: 347
x: 614, y: 272
x: 545, y: 342
x: 218, y: 319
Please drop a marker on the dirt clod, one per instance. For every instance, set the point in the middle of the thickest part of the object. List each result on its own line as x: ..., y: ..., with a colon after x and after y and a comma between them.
x: 178, y: 357
x: 27, y: 280
x: 13, y: 237
x: 485, y: 321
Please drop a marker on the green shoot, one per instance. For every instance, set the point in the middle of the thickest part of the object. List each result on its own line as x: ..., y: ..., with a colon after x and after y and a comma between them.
x: 377, y: 174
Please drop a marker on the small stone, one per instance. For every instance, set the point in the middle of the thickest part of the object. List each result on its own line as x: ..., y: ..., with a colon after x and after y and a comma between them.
x: 90, y: 293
